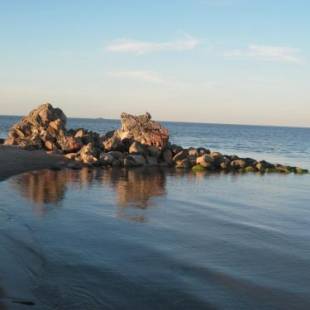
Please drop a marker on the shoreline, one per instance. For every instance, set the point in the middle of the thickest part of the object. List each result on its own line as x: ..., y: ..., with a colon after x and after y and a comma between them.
x: 14, y: 160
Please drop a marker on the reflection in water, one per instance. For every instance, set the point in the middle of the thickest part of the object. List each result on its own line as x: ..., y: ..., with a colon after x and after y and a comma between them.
x: 41, y: 188
x: 2, y: 298
x: 133, y: 188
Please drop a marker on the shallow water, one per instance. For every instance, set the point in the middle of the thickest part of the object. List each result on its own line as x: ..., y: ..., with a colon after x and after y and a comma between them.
x: 155, y: 239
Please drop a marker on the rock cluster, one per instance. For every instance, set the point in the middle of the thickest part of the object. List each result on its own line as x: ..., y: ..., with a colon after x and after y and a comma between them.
x: 137, y: 129
x: 139, y: 142
x: 45, y: 128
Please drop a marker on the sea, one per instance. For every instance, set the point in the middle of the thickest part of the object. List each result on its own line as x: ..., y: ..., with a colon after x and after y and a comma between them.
x: 154, y: 238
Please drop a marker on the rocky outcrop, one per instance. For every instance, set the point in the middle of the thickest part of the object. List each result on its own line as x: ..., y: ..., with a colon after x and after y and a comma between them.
x: 140, y: 129
x: 139, y: 142
x: 45, y: 128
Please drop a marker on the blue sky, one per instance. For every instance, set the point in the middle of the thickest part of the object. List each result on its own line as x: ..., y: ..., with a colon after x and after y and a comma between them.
x: 225, y: 61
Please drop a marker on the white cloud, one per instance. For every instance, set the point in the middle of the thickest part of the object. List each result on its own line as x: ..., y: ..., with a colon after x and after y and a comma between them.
x: 268, y: 53
x: 143, y: 47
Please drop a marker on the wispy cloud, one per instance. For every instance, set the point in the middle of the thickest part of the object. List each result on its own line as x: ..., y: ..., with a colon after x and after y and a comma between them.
x: 267, y: 53
x: 155, y: 78
x: 142, y: 75
x: 143, y: 47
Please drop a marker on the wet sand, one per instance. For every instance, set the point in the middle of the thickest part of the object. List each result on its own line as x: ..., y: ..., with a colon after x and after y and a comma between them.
x: 14, y: 160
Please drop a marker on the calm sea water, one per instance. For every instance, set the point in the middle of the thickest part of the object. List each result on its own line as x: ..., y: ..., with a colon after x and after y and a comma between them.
x: 279, y: 144
x: 160, y: 239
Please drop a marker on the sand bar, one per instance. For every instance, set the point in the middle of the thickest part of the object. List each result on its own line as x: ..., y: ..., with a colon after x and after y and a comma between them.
x: 14, y: 160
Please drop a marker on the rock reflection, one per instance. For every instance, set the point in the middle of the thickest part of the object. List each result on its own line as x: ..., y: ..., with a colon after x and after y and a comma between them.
x: 136, y: 188
x: 133, y: 188
x: 2, y: 299
x: 41, y: 188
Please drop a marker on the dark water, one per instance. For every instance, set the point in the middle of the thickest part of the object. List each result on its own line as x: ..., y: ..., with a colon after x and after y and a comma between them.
x: 158, y: 239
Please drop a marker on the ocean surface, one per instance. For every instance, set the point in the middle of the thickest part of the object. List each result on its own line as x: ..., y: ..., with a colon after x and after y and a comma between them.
x: 150, y: 238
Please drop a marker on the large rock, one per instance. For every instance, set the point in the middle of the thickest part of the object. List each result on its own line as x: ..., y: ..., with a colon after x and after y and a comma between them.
x: 141, y: 129
x: 44, y: 128
x: 135, y: 160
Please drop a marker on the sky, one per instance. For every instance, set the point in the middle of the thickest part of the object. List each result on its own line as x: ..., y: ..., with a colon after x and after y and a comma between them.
x: 214, y: 61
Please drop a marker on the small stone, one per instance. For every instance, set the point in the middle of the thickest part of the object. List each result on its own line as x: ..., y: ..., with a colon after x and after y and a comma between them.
x: 106, y: 158
x: 116, y: 144
x: 192, y: 159
x: 175, y: 149
x: 202, y: 151
x: 193, y: 152
x: 137, y: 148
x: 116, y: 154
x: 238, y: 164
x: 69, y: 144
x: 134, y: 160
x: 180, y: 156
x: 80, y: 133
x: 71, y: 156
x: 167, y: 156
x: 88, y: 154
x: 183, y: 163
x: 225, y: 163
x: 153, y: 151
x: 205, y: 161
x: 216, y: 155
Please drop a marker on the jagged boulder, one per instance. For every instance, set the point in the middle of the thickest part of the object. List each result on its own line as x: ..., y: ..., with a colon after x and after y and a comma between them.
x: 44, y: 128
x: 140, y: 129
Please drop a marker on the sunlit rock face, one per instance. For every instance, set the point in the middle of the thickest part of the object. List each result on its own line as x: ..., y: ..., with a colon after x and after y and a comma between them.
x: 140, y: 129
x: 45, y: 128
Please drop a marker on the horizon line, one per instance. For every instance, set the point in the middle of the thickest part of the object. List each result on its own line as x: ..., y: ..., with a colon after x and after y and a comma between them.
x: 181, y: 122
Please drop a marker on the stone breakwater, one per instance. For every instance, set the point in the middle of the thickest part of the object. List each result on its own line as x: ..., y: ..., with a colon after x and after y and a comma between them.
x: 139, y: 142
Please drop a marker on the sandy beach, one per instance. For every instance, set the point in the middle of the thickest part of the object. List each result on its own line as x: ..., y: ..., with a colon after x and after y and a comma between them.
x: 14, y: 160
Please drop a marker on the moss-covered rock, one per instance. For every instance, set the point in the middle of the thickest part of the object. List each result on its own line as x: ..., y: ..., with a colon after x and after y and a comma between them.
x: 299, y: 170
x: 249, y: 169
x: 283, y: 169
x: 198, y: 168
x: 271, y: 170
